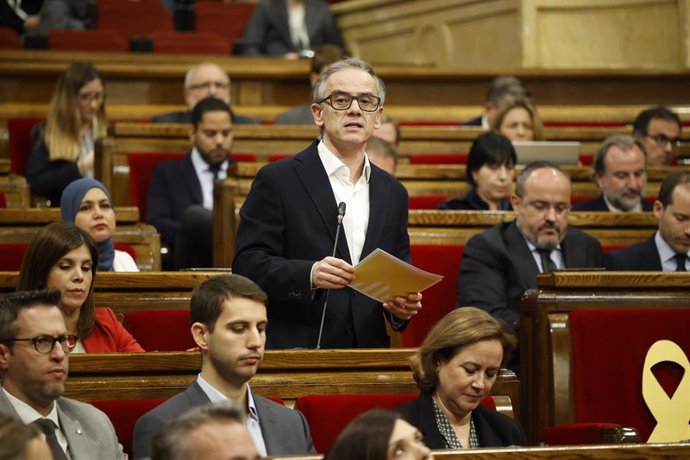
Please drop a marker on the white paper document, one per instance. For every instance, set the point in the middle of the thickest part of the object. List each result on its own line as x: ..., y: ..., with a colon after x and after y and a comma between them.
x: 382, y: 277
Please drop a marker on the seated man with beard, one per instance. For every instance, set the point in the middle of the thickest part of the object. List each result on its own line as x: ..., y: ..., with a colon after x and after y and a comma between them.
x: 502, y: 262
x: 620, y: 171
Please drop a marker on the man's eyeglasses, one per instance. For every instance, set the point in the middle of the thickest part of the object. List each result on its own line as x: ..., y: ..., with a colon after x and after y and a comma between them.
x: 663, y: 140
x: 207, y: 85
x: 44, y: 344
x: 339, y: 101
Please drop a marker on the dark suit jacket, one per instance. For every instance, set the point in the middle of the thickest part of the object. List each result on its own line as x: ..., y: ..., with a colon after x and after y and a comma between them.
x: 474, y: 122
x: 493, y: 429
x: 638, y: 257
x: 300, y: 115
x: 497, y: 267
x: 87, y: 429
x: 174, y: 187
x: 287, y: 223
x: 186, y: 117
x: 285, y: 431
x: 472, y: 202
x: 45, y: 177
x: 598, y: 204
x: 268, y: 33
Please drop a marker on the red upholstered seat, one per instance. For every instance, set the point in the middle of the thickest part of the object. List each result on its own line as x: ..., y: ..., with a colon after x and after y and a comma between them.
x: 19, y: 142
x: 123, y: 414
x: 141, y: 166
x: 244, y: 157
x: 134, y: 17
x: 3, y: 200
x: 11, y: 255
x: 9, y: 39
x: 128, y: 249
x: 440, y: 298
x: 278, y: 156
x: 426, y: 201
x: 190, y: 43
x: 225, y: 19
x: 609, y: 349
x: 160, y: 330
x: 87, y: 40
x: 328, y: 415
x: 439, y: 158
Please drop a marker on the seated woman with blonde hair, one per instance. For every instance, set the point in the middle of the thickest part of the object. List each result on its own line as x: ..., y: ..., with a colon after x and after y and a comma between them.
x: 518, y: 121
x: 63, y: 256
x: 456, y: 367
x: 87, y: 204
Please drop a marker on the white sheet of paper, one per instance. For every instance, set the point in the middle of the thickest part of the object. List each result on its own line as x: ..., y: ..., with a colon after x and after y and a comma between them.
x: 382, y: 277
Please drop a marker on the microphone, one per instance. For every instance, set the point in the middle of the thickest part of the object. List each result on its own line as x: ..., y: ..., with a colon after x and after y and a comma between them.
x: 341, y: 215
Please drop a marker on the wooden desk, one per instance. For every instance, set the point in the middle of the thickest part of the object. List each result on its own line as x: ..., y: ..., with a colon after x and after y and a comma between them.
x: 546, y: 364
x: 286, y: 374
x: 19, y: 226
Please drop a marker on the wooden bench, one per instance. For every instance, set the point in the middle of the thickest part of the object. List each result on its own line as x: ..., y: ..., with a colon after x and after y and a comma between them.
x: 131, y: 291
x: 286, y: 374
x: 545, y: 337
x: 15, y: 189
x: 605, y: 452
x: 20, y: 225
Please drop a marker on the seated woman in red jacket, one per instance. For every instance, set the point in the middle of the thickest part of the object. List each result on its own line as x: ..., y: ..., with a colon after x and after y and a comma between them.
x: 64, y: 257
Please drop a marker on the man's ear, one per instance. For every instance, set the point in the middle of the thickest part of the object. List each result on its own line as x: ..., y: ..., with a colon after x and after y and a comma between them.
x: 200, y: 334
x: 658, y: 209
x: 192, y: 134
x: 515, y: 202
x: 5, y: 353
x: 317, y: 114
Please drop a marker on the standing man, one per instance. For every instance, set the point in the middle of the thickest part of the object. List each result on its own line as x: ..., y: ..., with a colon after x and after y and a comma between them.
x: 180, y: 195
x: 668, y: 248
x: 228, y: 315
x: 658, y: 129
x: 202, y: 81
x: 501, y: 263
x: 34, y: 349
x: 288, y: 223
x: 620, y: 171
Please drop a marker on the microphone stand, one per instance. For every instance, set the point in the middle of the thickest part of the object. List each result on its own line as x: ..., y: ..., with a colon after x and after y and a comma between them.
x: 341, y: 214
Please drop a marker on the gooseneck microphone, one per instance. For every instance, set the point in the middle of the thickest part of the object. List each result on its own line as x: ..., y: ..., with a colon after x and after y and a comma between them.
x: 341, y: 214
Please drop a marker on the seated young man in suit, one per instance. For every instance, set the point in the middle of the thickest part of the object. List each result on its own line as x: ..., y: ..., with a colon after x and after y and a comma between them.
x: 503, y: 90
x: 658, y: 129
x: 34, y: 360
x: 202, y: 81
x: 180, y: 195
x: 620, y: 170
x: 668, y: 248
x: 228, y: 315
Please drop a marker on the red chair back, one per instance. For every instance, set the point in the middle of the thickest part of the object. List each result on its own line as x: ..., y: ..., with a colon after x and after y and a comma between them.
x: 123, y: 414
x: 87, y: 40
x: 609, y: 349
x: 19, y: 142
x: 141, y: 166
x: 225, y: 19
x: 190, y: 43
x: 328, y: 415
x: 11, y: 256
x: 9, y: 39
x: 134, y: 17
x: 439, y: 158
x: 440, y: 298
x: 426, y: 201
x: 160, y: 330
x: 128, y: 249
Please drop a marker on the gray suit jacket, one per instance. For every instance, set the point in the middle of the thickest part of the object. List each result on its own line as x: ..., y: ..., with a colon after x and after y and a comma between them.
x: 88, y: 431
x: 284, y: 430
x: 497, y: 268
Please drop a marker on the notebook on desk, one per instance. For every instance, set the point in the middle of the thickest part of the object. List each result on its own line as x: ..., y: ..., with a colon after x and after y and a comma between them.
x: 559, y: 152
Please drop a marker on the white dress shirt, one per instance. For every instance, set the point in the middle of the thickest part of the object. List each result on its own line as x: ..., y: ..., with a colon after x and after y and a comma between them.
x: 667, y: 255
x: 205, y: 176
x: 556, y: 256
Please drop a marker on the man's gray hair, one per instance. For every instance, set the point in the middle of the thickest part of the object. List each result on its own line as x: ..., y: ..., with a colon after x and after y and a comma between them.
x: 622, y: 141
x: 190, y: 73
x: 349, y: 63
x: 173, y: 442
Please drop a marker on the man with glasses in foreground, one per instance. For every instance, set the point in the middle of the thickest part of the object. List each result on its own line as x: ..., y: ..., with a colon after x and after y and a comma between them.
x: 288, y: 223
x: 501, y: 263
x: 34, y: 349
x: 203, y: 80
x: 658, y: 129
